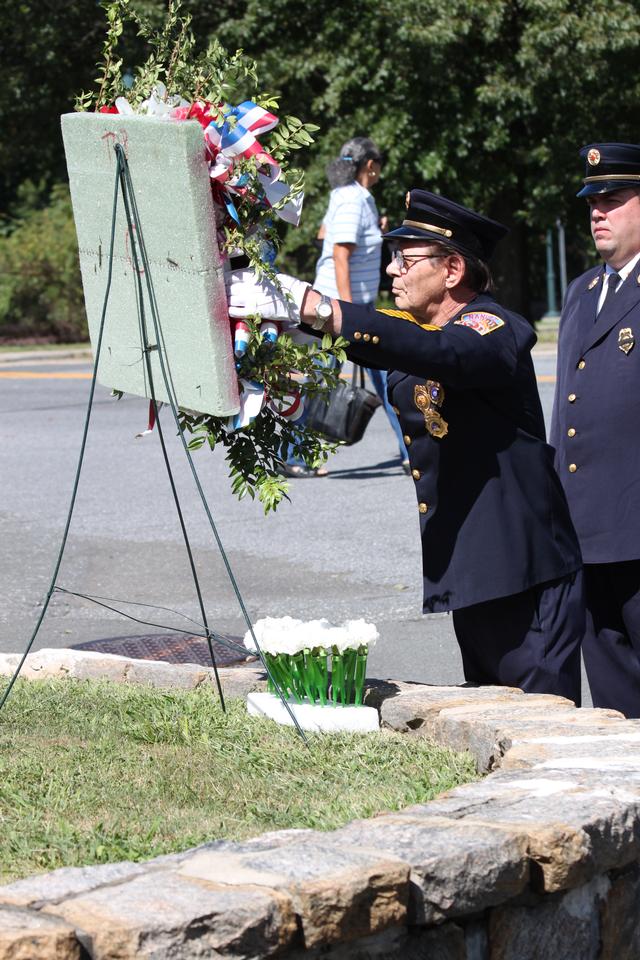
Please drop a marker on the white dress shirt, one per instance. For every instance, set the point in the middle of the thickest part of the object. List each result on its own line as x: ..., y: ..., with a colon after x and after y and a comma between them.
x: 623, y: 273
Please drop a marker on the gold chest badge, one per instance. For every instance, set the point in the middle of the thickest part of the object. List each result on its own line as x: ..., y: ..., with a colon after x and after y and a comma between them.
x: 626, y: 340
x: 428, y: 398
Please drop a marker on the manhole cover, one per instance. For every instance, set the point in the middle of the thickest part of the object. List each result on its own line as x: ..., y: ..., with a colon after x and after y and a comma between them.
x: 170, y: 647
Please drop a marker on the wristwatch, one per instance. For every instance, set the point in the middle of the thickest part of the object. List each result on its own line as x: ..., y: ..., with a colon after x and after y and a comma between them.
x: 324, y: 312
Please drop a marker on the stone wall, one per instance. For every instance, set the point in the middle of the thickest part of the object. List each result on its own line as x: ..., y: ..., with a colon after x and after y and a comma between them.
x: 540, y: 859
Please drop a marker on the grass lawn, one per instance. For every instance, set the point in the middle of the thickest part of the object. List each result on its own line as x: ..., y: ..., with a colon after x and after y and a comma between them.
x: 94, y: 772
x: 37, y: 346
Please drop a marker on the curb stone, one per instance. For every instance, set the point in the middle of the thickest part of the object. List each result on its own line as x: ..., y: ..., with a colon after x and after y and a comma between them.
x: 30, y: 356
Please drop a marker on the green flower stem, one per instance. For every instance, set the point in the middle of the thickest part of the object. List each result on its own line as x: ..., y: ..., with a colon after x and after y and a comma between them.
x: 318, y: 661
x: 310, y: 678
x: 276, y: 670
x: 337, y: 676
x: 289, y: 669
x: 361, y: 673
x: 301, y: 677
x: 282, y: 674
x: 349, y: 657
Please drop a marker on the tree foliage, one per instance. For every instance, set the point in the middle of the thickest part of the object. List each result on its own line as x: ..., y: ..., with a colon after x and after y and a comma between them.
x: 48, y: 51
x: 40, y: 289
x: 487, y: 101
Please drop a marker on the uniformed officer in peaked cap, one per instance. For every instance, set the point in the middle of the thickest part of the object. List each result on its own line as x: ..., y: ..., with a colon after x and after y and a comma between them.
x: 498, y: 546
x: 595, y: 423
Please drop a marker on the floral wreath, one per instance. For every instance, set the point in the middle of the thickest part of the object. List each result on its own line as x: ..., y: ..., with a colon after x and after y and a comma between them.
x: 252, y: 187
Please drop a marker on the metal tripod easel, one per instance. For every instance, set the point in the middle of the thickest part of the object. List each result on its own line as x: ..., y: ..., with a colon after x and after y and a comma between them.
x: 152, y: 341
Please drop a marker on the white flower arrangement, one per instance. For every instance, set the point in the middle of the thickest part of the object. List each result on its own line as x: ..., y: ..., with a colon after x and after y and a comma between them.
x: 297, y: 653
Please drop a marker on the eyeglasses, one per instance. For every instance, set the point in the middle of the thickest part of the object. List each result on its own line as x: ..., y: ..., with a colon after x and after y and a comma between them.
x: 403, y: 262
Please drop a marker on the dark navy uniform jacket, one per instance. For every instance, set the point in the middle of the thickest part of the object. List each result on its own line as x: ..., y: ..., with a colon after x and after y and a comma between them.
x: 596, y: 417
x: 493, y: 516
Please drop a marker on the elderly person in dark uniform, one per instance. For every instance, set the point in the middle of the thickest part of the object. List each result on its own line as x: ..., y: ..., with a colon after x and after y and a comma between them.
x: 595, y: 423
x: 499, y: 549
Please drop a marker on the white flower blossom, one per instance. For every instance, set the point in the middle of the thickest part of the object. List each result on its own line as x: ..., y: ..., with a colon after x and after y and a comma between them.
x: 362, y: 633
x: 277, y: 635
x: 287, y: 635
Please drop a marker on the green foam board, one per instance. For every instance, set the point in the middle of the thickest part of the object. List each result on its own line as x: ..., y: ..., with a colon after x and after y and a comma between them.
x: 172, y: 189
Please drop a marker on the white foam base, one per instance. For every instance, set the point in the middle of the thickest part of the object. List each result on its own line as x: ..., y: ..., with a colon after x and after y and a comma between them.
x: 314, y: 717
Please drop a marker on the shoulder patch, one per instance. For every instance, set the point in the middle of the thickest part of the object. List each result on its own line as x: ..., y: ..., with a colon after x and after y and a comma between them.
x: 481, y: 322
x: 405, y: 315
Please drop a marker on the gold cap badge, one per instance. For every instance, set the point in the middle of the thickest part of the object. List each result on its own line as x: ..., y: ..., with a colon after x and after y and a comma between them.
x: 593, y: 157
x: 407, y: 199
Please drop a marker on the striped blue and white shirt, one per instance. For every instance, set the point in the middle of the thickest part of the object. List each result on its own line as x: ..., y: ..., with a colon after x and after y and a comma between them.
x: 352, y: 217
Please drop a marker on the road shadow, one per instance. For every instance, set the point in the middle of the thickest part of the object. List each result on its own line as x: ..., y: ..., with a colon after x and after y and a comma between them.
x: 373, y: 470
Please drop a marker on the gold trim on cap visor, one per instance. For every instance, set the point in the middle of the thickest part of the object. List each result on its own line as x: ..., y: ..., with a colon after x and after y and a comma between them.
x: 613, y: 176
x: 428, y: 226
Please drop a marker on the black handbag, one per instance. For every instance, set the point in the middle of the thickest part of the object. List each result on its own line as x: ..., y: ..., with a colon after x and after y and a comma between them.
x: 346, y: 413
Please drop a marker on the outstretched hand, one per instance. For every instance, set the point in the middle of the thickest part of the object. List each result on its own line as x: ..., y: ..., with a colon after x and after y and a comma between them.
x: 246, y: 295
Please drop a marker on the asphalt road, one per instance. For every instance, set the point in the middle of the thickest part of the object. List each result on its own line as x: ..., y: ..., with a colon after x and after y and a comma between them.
x: 346, y: 546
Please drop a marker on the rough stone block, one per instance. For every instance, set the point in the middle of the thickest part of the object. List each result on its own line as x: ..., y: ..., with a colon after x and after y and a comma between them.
x: 620, y: 920
x: 456, y: 868
x: 8, y: 663
x: 89, y: 665
x: 241, y: 681
x: 66, y: 882
x: 444, y: 942
x: 615, y: 751
x: 377, y: 691
x: 389, y: 945
x: 157, y: 673
x: 338, y: 891
x: 491, y: 739
x: 574, y: 833
x: 27, y: 935
x: 484, y: 729
x: 558, y: 928
x: 416, y: 709
x: 99, y: 666
x: 63, y: 663
x: 159, y: 915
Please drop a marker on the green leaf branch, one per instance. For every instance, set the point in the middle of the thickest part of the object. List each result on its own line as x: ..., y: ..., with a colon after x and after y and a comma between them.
x: 256, y: 453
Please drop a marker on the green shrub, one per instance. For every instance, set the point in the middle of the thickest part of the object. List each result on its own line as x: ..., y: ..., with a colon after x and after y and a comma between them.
x: 40, y: 286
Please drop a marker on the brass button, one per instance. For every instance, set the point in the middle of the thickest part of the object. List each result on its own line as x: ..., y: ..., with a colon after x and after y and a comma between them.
x: 367, y: 337
x: 571, y: 432
x: 375, y: 339
x: 407, y: 439
x: 357, y: 335
x: 416, y: 474
x: 572, y: 468
x: 581, y: 365
x: 423, y: 507
x: 395, y: 410
x: 571, y: 398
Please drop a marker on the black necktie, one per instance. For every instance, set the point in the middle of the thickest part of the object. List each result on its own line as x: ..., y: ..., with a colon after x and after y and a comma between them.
x: 612, y: 283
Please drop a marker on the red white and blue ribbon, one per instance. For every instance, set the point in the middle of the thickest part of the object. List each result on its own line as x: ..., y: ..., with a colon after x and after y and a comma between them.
x: 230, y: 134
x: 230, y: 139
